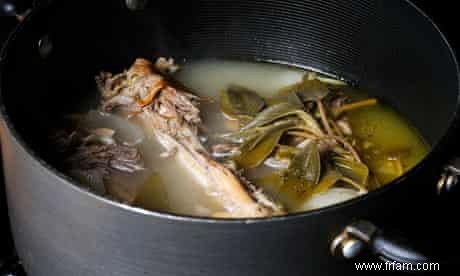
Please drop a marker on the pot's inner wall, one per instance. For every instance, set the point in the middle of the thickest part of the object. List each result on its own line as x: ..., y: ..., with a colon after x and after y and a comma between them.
x: 387, y: 46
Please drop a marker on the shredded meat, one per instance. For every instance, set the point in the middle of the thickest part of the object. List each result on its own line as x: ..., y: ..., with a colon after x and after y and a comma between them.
x: 95, y: 154
x: 171, y: 114
x: 166, y: 66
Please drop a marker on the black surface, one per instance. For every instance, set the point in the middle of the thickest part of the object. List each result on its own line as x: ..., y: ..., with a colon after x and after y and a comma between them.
x: 6, y: 244
x: 443, y: 15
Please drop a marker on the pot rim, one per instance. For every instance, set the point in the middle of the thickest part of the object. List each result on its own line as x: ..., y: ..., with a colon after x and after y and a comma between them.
x: 73, y: 184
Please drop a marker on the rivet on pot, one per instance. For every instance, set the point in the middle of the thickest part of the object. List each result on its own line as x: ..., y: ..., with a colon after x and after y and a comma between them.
x: 449, y: 178
x: 8, y: 9
x: 347, y: 247
x: 45, y: 46
x: 353, y: 240
x: 351, y: 248
x: 136, y: 5
x: 336, y: 244
x: 447, y: 183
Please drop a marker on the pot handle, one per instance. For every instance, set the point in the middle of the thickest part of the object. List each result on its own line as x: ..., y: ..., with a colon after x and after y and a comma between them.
x: 363, y: 236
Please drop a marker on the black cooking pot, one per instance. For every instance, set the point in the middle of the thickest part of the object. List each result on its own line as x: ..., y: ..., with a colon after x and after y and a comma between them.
x: 48, y: 66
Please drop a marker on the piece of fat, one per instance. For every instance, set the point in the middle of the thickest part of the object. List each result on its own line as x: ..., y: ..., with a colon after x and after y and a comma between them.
x: 330, y: 197
x: 215, y: 178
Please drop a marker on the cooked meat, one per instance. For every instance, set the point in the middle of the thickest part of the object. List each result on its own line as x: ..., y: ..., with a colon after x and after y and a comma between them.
x: 172, y: 115
x: 166, y: 66
x: 91, y: 155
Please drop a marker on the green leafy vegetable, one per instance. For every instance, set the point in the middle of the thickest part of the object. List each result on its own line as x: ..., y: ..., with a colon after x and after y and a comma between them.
x: 304, y: 171
x: 238, y: 101
x: 356, y: 171
x: 282, y: 110
x: 251, y: 158
x: 330, y: 178
x: 307, y: 90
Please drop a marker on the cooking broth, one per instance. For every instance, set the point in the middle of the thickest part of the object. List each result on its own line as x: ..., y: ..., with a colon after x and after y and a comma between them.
x: 386, y: 143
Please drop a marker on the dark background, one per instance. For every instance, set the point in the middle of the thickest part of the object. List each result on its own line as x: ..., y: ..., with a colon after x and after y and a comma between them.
x: 6, y: 244
x: 444, y: 13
